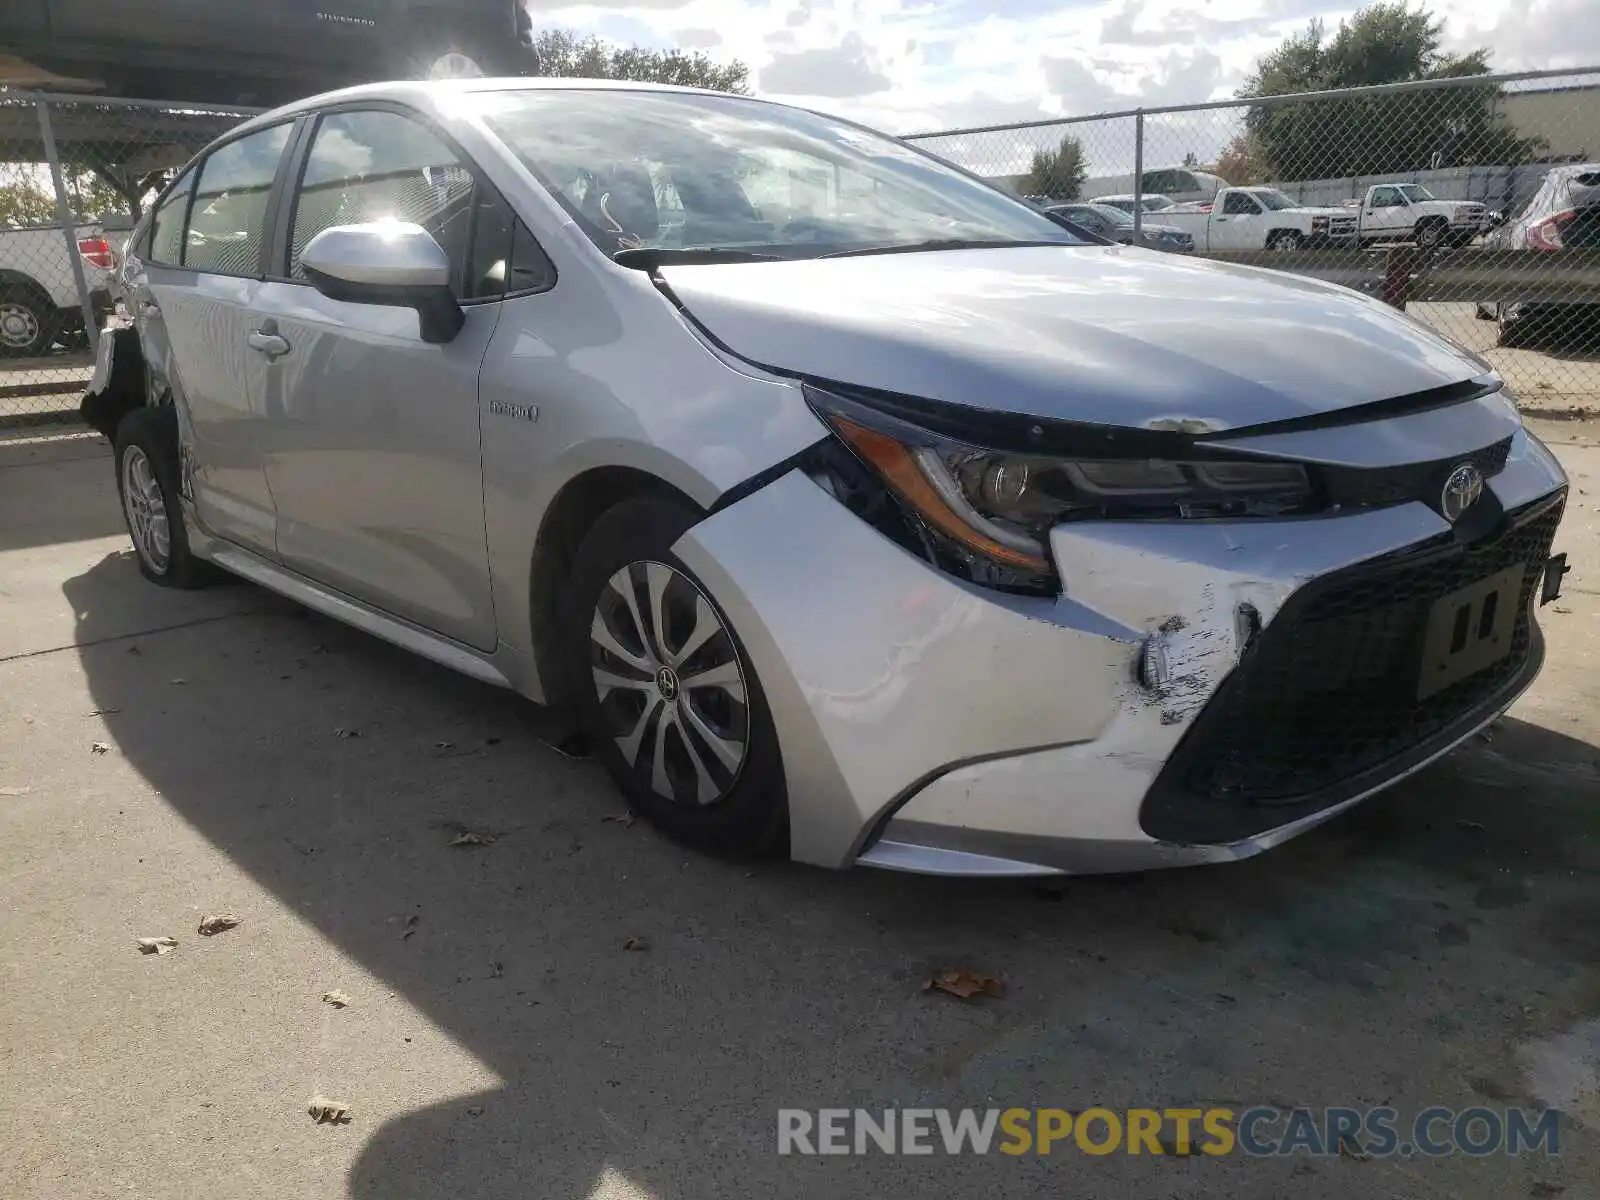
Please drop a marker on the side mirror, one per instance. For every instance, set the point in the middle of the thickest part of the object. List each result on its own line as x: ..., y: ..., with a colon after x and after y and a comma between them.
x: 389, y: 263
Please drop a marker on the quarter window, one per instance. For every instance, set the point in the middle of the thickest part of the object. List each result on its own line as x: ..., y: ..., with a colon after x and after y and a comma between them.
x: 166, y: 226
x: 381, y: 166
x: 505, y: 258
x: 227, y: 223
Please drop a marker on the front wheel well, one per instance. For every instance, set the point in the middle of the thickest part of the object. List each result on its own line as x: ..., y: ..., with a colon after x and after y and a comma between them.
x: 581, y: 502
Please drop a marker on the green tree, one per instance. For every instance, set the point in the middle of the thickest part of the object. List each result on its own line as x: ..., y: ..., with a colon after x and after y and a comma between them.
x: 27, y: 198
x: 1058, y: 173
x: 560, y: 54
x: 24, y: 202
x: 1241, y: 162
x: 1387, y: 42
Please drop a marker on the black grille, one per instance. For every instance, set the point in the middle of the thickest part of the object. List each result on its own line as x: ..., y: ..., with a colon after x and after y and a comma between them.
x: 1351, y: 487
x: 1324, y: 704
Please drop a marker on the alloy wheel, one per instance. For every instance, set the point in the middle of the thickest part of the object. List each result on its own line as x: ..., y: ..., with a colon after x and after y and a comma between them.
x: 19, y: 325
x: 671, y: 689
x: 146, y: 509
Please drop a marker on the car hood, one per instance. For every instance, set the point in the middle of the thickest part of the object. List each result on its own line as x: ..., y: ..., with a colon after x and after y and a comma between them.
x: 1105, y: 334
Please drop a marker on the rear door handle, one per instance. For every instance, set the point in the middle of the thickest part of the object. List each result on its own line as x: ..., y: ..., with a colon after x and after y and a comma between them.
x: 271, y: 344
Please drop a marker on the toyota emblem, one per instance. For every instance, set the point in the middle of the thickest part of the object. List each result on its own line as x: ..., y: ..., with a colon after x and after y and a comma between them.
x: 1461, y: 491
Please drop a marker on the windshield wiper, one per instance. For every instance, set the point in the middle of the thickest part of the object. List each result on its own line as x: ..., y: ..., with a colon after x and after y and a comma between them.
x: 648, y: 258
x: 940, y: 244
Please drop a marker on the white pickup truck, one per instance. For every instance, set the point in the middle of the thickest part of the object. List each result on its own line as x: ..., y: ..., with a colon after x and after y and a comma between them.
x: 39, y: 302
x: 1261, y: 218
x: 1408, y: 211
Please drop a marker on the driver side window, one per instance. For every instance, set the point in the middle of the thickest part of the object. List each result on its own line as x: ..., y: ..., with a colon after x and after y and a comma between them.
x: 377, y: 166
x: 1386, y: 197
x: 1240, y: 204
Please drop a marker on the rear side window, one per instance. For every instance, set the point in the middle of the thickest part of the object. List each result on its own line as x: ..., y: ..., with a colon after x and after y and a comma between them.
x: 227, y: 223
x: 381, y: 166
x: 166, y: 226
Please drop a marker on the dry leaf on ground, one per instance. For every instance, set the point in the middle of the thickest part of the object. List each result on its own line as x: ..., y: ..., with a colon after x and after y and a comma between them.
x: 337, y: 999
x: 99, y: 748
x: 109, y: 710
x: 177, y: 682
x: 345, y: 734
x: 411, y: 926
x: 212, y: 926
x: 328, y: 1112
x: 964, y: 983
x: 468, y: 838
x: 626, y: 820
x: 157, y: 945
x: 14, y: 791
x: 635, y: 943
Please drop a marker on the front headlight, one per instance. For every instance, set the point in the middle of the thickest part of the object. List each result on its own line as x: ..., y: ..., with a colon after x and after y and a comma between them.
x: 1001, y: 505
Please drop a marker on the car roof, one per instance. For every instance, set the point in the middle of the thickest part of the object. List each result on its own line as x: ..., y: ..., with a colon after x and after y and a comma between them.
x: 428, y: 94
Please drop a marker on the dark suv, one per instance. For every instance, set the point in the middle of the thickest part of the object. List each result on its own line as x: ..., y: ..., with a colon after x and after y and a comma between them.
x: 262, y: 52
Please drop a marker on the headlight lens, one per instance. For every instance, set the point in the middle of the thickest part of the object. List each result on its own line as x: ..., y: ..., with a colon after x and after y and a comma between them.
x: 1002, y: 505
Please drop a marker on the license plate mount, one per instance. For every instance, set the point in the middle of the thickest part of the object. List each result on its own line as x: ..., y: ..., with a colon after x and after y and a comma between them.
x: 1469, y: 630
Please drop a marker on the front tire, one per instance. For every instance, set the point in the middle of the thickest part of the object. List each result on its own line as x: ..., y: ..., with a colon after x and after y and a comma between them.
x: 147, y: 483
x: 663, y: 684
x: 1285, y: 241
x: 1431, y: 234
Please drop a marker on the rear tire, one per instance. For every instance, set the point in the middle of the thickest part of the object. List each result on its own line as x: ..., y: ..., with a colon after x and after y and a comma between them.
x: 28, y: 321
x: 699, y: 759
x: 147, y: 483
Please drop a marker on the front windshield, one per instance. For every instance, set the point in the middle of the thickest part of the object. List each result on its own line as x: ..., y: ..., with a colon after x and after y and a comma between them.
x: 1274, y: 199
x: 678, y: 170
x: 1416, y: 193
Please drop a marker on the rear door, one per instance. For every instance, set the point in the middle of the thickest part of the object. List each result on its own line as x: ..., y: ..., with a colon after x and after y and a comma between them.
x: 193, y: 294
x: 372, y: 447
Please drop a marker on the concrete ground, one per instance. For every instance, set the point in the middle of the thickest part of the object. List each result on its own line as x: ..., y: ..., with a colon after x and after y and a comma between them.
x: 164, y: 757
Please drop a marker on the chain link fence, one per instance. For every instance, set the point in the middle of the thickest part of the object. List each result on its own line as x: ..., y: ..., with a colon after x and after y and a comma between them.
x: 1475, y: 204
x: 1472, y: 203
x: 76, y: 173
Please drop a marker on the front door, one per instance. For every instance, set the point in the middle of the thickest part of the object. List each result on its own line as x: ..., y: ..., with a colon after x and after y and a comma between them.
x: 193, y: 292
x: 1241, y: 225
x: 372, y: 435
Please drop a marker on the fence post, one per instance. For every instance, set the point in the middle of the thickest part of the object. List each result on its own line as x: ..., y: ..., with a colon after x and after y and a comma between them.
x: 1397, y: 275
x: 1138, y: 176
x: 68, y: 220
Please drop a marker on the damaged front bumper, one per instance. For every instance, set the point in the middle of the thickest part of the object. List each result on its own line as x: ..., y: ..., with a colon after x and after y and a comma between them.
x: 930, y: 725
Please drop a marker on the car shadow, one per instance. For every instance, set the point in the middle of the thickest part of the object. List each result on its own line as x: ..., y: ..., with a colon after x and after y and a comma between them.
x: 335, y: 770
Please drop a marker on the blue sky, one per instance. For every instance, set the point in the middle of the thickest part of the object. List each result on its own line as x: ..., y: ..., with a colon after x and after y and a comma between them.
x: 934, y: 64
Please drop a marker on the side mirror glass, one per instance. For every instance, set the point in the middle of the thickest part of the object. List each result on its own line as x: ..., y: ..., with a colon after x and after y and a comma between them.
x: 389, y: 263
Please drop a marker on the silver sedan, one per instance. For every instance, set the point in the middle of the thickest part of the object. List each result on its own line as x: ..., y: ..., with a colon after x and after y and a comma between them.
x: 861, y: 512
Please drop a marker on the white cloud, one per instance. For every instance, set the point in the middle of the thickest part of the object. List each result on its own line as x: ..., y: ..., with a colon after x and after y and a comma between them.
x: 913, y: 65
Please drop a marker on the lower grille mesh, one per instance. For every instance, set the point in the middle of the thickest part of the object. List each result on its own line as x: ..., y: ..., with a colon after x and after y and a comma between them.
x: 1328, y: 693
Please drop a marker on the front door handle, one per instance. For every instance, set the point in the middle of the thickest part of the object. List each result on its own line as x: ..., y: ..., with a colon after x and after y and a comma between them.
x: 271, y: 344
